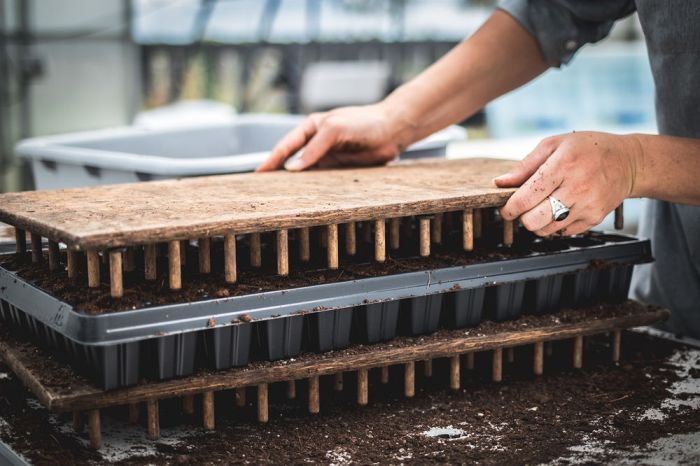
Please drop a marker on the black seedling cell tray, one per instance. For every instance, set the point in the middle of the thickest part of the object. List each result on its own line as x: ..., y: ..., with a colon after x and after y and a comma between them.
x: 544, y: 294
x: 378, y: 322
x: 464, y: 308
x: 119, y: 348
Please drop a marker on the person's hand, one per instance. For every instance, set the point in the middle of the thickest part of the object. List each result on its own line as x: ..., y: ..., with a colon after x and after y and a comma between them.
x: 591, y: 173
x: 347, y: 136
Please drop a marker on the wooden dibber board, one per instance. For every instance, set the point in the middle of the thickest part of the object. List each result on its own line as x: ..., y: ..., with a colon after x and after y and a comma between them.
x: 60, y: 390
x: 143, y: 213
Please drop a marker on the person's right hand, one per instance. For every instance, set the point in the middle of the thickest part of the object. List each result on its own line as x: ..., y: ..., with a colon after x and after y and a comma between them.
x: 347, y: 136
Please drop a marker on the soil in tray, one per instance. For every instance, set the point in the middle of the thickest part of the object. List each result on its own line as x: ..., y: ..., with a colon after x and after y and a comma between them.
x: 523, y: 420
x: 140, y: 293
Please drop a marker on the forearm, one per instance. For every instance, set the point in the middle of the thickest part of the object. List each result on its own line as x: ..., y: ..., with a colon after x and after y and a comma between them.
x: 499, y: 57
x: 667, y: 168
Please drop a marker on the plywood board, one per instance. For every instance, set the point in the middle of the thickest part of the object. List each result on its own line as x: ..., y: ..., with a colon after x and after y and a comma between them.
x: 59, y: 389
x: 131, y: 214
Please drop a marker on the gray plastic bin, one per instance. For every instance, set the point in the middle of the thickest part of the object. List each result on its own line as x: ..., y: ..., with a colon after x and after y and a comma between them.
x: 123, y: 155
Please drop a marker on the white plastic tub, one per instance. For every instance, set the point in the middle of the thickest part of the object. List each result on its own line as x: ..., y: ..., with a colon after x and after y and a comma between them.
x: 123, y: 155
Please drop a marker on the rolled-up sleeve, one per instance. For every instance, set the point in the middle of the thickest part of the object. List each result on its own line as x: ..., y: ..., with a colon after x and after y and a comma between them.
x: 563, y: 26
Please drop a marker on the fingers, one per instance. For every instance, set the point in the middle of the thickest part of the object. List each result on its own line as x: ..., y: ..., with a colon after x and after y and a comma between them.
x: 576, y: 228
x: 289, y: 144
x: 315, y: 149
x: 540, y: 216
x: 529, y: 164
x: 546, y: 179
x: 353, y: 159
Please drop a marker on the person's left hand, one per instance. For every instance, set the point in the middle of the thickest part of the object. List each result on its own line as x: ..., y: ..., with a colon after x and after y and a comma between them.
x: 591, y: 173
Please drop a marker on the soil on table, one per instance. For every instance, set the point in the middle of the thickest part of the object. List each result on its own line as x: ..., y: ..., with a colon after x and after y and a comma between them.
x: 139, y: 293
x: 523, y: 420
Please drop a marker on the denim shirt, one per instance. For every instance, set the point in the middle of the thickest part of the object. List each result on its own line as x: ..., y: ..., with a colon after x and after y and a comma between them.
x: 672, y: 33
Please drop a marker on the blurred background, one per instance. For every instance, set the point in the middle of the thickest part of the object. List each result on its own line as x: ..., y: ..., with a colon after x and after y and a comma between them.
x: 72, y: 65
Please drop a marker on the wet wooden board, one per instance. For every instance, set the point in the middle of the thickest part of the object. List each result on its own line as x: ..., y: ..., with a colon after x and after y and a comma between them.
x: 141, y: 213
x: 59, y: 389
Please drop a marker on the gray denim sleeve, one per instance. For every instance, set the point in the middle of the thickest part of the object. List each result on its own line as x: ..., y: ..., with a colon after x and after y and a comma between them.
x: 561, y: 27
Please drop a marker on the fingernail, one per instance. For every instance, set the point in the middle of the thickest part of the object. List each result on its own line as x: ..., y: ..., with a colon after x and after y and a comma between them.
x: 501, y: 177
x: 294, y: 165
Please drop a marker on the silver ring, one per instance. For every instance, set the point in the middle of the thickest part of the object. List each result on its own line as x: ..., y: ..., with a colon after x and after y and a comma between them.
x: 559, y: 210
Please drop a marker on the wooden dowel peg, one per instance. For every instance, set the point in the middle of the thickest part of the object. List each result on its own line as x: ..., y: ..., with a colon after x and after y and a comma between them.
x: 208, y: 410
x: 428, y: 368
x: 129, y: 260
x: 497, y: 365
x: 93, y: 266
x: 510, y: 355
x: 350, y: 239
x: 424, y: 236
x: 230, y: 269
x: 116, y: 283
x: 395, y: 233
x: 617, y: 337
x: 538, y: 363
x: 37, y: 255
x: 20, y: 242
x: 255, y: 250
x: 508, y: 232
x: 204, y: 248
x: 134, y: 413
x: 150, y: 253
x: 384, y: 375
x: 72, y: 257
x: 332, y: 247
x: 362, y: 387
x: 239, y: 397
x: 478, y: 223
x: 578, y: 352
x: 291, y: 389
x: 409, y: 384
x: 470, y: 361
x: 283, y: 252
x: 379, y: 241
x: 78, y: 423
x: 338, y: 382
x: 619, y: 218
x: 153, y: 419
x: 95, y: 432
x: 263, y: 413
x: 437, y: 229
x: 304, y: 245
x: 314, y: 395
x: 468, y: 230
x: 174, y: 267
x: 454, y: 373
x: 188, y: 405
x: 53, y: 255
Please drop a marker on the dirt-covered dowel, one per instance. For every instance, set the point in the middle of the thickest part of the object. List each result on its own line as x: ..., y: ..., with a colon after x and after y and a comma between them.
x: 350, y: 239
x: 425, y: 236
x: 150, y: 255
x: 283, y: 252
x: 409, y: 379
x: 174, y: 265
x: 208, y: 410
x: 362, y: 387
x: 95, y: 431
x: 508, y: 232
x: 20, y: 242
x: 116, y: 281
x: 153, y: 419
x: 263, y: 412
x: 53, y: 256
x: 394, y: 233
x: 468, y: 230
x: 578, y: 352
x: 538, y: 363
x: 332, y: 247
x: 291, y: 389
x: 204, y: 247
x: 255, y: 250
x: 617, y: 337
x: 454, y: 373
x: 497, y: 365
x: 437, y: 228
x: 314, y: 395
x: 93, y: 266
x: 230, y: 267
x: 379, y: 240
x: 36, y: 248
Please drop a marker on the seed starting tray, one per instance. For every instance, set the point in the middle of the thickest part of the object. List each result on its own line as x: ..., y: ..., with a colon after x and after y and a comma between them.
x: 162, y: 342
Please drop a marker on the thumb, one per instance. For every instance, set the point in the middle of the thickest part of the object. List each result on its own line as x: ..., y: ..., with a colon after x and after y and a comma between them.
x: 529, y: 165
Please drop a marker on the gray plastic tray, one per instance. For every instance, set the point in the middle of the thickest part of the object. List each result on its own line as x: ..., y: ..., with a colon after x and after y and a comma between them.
x: 159, y: 321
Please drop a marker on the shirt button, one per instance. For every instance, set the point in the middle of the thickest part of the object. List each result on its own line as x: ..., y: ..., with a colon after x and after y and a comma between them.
x: 570, y: 44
